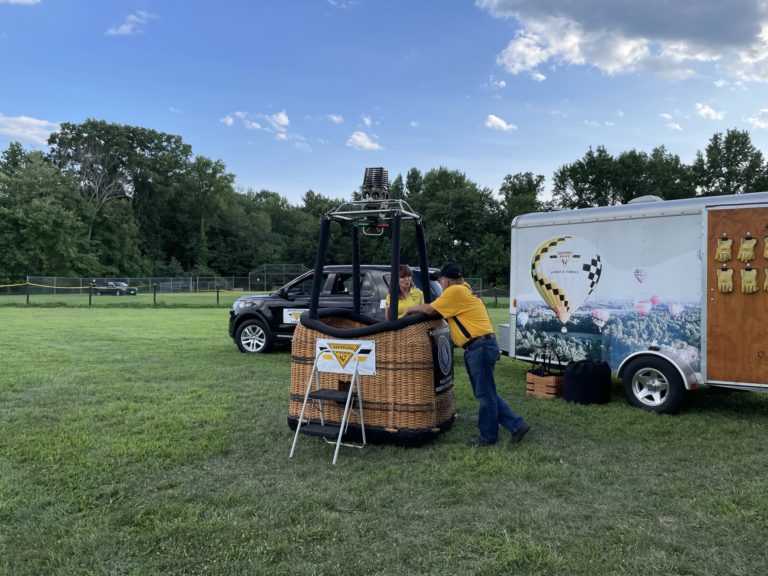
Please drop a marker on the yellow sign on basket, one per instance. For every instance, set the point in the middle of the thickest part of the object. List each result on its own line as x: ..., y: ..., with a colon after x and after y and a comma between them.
x: 346, y: 356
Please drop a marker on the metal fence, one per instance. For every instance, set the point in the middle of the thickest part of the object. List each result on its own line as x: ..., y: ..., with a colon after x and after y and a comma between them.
x: 59, y: 285
x: 270, y: 277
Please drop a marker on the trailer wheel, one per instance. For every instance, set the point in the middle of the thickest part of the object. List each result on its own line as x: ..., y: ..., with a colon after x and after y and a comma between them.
x: 653, y: 384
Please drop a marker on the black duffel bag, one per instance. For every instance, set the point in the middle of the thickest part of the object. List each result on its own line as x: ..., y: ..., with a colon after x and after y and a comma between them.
x: 587, y: 382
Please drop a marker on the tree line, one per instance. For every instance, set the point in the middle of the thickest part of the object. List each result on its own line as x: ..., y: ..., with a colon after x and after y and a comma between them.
x: 118, y: 200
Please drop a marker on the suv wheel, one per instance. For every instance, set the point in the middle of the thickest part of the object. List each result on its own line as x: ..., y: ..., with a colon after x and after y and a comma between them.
x: 253, y: 337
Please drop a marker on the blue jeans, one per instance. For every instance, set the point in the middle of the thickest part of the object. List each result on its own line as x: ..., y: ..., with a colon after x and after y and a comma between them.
x: 480, y: 360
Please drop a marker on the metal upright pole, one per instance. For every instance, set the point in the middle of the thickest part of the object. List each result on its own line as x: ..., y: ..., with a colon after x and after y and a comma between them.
x: 424, y: 267
x: 394, y: 281
x: 314, y: 300
x: 356, y: 287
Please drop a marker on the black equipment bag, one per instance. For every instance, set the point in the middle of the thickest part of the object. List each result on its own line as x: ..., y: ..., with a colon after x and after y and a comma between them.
x: 587, y: 382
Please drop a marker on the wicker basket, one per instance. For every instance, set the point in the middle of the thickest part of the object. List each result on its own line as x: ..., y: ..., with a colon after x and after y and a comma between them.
x: 550, y: 386
x: 400, y: 404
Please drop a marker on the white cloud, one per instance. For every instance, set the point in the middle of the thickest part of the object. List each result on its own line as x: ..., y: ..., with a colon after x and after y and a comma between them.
x: 760, y: 120
x: 279, y: 120
x: 495, y: 123
x: 674, y: 126
x: 335, y: 118
x: 134, y: 24
x: 227, y: 120
x: 25, y: 2
x: 708, y: 112
x: 538, y: 77
x: 413, y: 124
x: 676, y: 40
x: 362, y: 141
x: 251, y: 125
x: 666, y: 116
x: 493, y: 84
x: 343, y: 4
x: 367, y: 121
x: 26, y: 129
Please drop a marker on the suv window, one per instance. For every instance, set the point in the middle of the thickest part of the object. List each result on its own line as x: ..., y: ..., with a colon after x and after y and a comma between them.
x: 342, y: 284
x: 434, y: 284
x: 304, y: 287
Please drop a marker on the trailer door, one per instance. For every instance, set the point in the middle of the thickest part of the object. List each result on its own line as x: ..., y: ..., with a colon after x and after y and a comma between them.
x: 737, y: 322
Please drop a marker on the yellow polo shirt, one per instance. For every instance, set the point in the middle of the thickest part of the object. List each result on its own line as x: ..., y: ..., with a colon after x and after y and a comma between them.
x: 458, y: 302
x: 413, y: 298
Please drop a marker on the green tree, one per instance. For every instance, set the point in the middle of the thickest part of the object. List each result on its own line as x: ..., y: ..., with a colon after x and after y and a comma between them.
x: 730, y: 165
x: 668, y: 177
x: 12, y: 159
x: 207, y: 188
x: 587, y: 182
x: 520, y: 194
x: 114, y: 161
x: 41, y: 229
x: 457, y: 215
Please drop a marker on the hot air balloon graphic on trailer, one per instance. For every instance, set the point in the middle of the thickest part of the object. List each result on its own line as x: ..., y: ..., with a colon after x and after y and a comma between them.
x: 565, y: 271
x: 600, y: 316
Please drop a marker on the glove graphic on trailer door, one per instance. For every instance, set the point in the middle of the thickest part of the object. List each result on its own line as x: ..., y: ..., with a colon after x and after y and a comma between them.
x: 723, y: 253
x: 747, y: 249
x: 749, y: 281
x: 725, y: 280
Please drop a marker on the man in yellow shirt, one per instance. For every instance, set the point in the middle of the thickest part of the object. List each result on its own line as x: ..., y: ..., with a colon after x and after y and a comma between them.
x: 471, y: 328
x: 408, y: 296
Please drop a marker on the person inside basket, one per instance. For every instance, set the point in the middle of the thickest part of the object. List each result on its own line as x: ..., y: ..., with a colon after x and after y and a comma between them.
x: 472, y: 329
x: 409, y: 295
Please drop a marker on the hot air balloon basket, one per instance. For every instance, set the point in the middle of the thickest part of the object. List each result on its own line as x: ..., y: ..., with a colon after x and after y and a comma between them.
x: 550, y: 386
x: 402, y: 403
x: 546, y: 377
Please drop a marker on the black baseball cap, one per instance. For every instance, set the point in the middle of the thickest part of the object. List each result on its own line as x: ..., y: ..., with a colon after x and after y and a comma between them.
x: 450, y: 270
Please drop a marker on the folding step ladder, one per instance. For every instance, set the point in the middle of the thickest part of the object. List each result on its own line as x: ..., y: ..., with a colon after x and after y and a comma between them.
x: 332, y: 434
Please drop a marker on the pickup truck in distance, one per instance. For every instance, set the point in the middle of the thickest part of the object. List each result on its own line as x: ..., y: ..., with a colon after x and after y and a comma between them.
x: 257, y: 322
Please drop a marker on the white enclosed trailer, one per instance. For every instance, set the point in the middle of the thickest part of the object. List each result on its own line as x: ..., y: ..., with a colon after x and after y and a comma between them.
x: 672, y: 294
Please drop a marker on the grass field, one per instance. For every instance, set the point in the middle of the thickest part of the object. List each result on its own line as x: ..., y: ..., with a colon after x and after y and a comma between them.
x: 139, y: 441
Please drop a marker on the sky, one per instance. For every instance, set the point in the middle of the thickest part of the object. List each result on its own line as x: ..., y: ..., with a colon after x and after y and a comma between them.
x: 298, y: 95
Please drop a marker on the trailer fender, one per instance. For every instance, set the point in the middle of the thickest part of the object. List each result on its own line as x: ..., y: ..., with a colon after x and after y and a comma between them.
x: 690, y: 381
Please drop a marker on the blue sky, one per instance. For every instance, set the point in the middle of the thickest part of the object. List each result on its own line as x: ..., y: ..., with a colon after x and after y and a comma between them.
x: 295, y: 95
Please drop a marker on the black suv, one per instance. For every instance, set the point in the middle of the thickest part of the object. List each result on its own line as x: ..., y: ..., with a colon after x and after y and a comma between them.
x: 257, y: 322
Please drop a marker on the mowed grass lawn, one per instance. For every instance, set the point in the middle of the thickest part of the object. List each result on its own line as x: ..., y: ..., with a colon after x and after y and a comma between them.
x: 139, y: 441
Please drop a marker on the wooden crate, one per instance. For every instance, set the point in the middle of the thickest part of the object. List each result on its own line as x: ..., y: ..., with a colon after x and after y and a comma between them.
x: 544, y: 386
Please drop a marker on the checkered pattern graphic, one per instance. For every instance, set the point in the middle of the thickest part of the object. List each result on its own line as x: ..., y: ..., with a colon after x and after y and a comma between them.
x: 593, y: 269
x: 544, y: 282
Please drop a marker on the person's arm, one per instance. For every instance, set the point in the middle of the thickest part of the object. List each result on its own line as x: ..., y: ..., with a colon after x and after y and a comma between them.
x: 425, y: 308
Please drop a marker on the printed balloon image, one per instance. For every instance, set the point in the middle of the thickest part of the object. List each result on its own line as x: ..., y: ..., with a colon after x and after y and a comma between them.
x: 640, y: 274
x: 676, y: 309
x: 565, y: 271
x: 522, y: 319
x: 655, y: 300
x: 600, y: 316
x: 643, y: 307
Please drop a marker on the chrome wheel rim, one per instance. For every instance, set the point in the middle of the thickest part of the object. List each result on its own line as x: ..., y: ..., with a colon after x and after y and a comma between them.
x: 253, y: 338
x: 650, y: 387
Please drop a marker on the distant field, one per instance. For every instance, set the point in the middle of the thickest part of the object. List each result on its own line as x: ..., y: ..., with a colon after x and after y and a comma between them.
x: 139, y: 441
x: 144, y: 298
